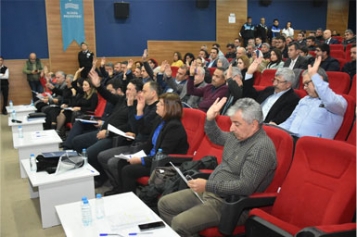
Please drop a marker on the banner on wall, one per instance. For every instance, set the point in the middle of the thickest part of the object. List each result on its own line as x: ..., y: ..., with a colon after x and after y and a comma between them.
x: 72, y: 22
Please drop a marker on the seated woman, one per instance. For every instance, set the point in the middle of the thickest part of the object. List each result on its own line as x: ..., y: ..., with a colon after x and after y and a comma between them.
x: 188, y: 58
x: 169, y: 135
x: 177, y: 60
x: 276, y: 59
x: 85, y: 100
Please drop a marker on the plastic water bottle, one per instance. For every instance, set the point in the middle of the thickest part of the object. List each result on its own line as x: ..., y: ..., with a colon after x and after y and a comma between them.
x: 159, y: 155
x: 86, y: 212
x: 11, y: 105
x: 33, y: 165
x: 84, y: 155
x: 13, y: 115
x: 99, y: 206
x: 19, y: 128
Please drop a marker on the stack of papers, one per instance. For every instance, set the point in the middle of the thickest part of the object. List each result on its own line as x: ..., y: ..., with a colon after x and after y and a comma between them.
x: 128, y: 156
x: 113, y: 129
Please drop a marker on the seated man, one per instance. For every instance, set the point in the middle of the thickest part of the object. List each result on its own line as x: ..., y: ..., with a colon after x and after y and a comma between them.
x: 169, y: 84
x: 209, y: 93
x: 320, y: 113
x: 277, y: 101
x: 327, y: 62
x: 350, y: 67
x: 295, y: 61
x: 248, y: 166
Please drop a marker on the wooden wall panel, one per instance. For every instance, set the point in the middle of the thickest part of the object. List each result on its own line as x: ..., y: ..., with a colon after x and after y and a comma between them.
x: 20, y: 92
x: 337, y: 15
x: 164, y: 50
x: 226, y: 32
x: 67, y: 60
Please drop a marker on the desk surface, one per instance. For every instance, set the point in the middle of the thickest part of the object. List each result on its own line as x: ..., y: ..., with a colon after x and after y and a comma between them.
x: 43, y: 178
x: 25, y: 121
x: 123, y: 213
x: 21, y: 108
x: 31, y: 139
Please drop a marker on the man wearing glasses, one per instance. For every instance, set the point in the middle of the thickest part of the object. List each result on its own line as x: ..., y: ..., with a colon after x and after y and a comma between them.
x: 320, y: 113
x: 277, y: 101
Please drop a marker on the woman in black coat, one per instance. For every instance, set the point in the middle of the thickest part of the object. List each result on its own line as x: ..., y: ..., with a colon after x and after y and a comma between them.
x: 169, y: 135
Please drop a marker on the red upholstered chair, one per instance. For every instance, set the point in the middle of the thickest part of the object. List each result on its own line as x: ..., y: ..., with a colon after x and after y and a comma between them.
x: 339, y: 38
x: 174, y: 70
x: 348, y: 119
x: 336, y: 47
x: 267, y: 77
x: 342, y: 230
x: 348, y: 54
x: 319, y: 190
x: 211, y: 70
x: 257, y: 76
x: 312, y: 53
x: 339, y: 82
x: 342, y: 62
x: 283, y: 143
x: 337, y: 53
x: 351, y: 139
x: 300, y: 93
x: 352, y: 91
x: 193, y: 121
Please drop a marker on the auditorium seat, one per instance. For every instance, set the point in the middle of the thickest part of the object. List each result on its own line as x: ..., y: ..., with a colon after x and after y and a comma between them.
x: 174, y: 70
x: 211, y: 70
x: 348, y: 119
x: 267, y: 77
x: 339, y: 82
x: 337, y: 53
x: 336, y: 47
x: 341, y: 230
x: 352, y: 91
x: 283, y: 143
x: 351, y: 139
x: 319, y: 190
x: 342, y: 62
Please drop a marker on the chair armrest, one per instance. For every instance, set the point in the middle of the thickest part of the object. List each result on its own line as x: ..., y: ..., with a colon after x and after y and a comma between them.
x: 234, y: 206
x: 341, y: 230
x: 176, y: 159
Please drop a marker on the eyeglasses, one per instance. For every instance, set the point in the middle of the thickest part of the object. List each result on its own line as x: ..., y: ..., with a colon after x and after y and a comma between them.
x: 318, y: 50
x: 277, y: 81
x: 306, y: 84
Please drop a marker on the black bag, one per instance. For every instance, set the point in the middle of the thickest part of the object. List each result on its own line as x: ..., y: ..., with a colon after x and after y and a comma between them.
x: 50, y: 164
x: 37, y: 115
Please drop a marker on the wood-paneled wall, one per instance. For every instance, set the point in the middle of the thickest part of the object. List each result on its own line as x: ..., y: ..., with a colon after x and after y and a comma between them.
x: 337, y: 19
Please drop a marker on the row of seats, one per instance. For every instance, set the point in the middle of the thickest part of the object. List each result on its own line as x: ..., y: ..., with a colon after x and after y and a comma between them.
x: 193, y: 121
x: 336, y: 53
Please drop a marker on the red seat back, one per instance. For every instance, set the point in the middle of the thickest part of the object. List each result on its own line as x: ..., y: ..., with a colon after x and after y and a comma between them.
x: 352, y: 91
x: 99, y: 110
x: 211, y: 70
x: 320, y: 187
x: 351, y: 139
x: 193, y: 121
x: 342, y: 62
x: 337, y: 53
x: 339, y: 82
x: 267, y: 77
x: 174, y: 70
x: 336, y: 47
x: 348, y: 118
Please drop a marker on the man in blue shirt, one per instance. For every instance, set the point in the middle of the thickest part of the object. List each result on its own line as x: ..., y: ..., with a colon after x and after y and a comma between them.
x: 321, y: 112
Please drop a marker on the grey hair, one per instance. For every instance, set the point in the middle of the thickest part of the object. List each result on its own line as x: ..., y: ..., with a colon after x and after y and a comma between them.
x: 287, y: 73
x: 349, y: 31
x: 266, y: 45
x: 244, y: 50
x: 62, y: 73
x: 70, y: 76
x: 321, y: 72
x: 236, y: 72
x: 250, y: 109
x: 253, y: 46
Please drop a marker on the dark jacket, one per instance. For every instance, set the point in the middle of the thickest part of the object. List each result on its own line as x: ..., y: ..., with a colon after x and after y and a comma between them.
x: 172, y: 139
x: 282, y: 108
x: 301, y: 63
x: 329, y: 64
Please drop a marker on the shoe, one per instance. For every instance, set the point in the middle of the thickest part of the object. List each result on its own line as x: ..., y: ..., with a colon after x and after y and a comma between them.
x: 112, y: 192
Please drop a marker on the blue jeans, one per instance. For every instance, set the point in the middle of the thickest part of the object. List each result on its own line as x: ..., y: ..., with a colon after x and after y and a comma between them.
x: 37, y: 87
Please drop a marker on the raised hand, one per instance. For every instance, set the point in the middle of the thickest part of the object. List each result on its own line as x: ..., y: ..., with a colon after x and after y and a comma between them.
x: 162, y: 67
x: 193, y: 68
x: 130, y: 64
x: 140, y: 105
x: 94, y: 63
x: 215, y: 108
x: 93, y: 75
x: 313, y: 69
x: 254, y: 65
x: 102, y: 61
x: 145, y: 55
x: 168, y: 71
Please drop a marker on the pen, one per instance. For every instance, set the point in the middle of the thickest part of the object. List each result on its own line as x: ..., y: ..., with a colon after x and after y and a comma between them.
x: 141, y: 233
x: 105, y: 234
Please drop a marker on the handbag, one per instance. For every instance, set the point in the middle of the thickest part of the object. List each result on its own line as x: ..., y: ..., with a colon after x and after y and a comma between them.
x: 36, y: 115
x: 64, y: 162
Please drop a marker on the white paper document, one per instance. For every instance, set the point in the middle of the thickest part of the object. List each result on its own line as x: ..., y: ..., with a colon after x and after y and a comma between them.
x: 128, y: 156
x: 113, y: 129
x: 87, y: 121
x: 184, y: 179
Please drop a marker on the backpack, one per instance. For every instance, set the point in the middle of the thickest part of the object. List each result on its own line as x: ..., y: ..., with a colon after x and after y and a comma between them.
x: 165, y: 180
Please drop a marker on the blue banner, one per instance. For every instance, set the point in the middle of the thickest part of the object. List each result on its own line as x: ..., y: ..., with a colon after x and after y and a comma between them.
x: 72, y: 22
